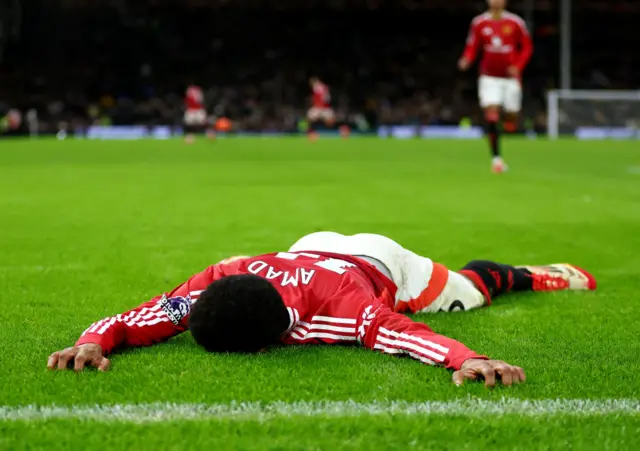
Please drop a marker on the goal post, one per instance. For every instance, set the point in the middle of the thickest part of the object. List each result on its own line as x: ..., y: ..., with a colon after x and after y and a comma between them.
x: 593, y: 114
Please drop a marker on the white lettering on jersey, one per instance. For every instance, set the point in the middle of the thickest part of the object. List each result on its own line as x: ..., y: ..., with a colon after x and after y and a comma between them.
x: 332, y: 264
x: 257, y: 266
x: 288, y: 279
x: 307, y: 275
x: 335, y: 265
x: 300, y: 274
x: 272, y: 274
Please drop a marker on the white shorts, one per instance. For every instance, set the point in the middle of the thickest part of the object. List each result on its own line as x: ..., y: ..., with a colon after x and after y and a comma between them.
x: 317, y: 113
x: 195, y: 118
x: 504, y: 92
x: 423, y: 286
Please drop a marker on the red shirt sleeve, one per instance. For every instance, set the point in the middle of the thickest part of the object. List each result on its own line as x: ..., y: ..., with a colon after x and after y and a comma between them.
x: 383, y: 330
x: 154, y: 321
x: 526, y: 47
x: 473, y: 44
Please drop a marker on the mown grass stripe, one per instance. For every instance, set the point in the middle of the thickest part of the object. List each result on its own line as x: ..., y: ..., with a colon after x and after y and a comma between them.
x: 155, y: 412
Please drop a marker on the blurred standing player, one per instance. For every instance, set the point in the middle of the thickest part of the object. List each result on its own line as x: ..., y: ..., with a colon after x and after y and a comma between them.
x: 507, y: 47
x: 12, y: 122
x: 320, y: 110
x: 195, y: 114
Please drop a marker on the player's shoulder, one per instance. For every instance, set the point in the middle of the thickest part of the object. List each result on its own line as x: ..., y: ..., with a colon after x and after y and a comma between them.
x: 480, y: 18
x: 512, y: 17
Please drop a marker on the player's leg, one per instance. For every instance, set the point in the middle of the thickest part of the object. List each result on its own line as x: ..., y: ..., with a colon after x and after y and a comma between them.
x: 491, y: 96
x: 419, y: 281
x: 328, y: 117
x: 459, y: 294
x: 378, y: 250
x: 313, y: 117
x: 194, y: 124
x: 189, y: 132
x: 320, y: 241
x: 481, y: 281
x: 494, y: 279
x: 384, y: 253
x: 512, y: 104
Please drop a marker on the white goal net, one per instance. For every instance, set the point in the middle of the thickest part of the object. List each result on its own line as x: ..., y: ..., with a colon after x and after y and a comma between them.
x: 593, y: 114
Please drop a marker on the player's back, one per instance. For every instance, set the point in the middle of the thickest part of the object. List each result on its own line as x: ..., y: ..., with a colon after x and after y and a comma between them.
x: 324, y: 293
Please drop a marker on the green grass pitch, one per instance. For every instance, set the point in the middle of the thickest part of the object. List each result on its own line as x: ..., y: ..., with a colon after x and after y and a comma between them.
x: 90, y: 228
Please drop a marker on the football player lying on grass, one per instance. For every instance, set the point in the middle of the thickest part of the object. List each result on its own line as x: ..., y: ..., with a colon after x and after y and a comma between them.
x: 328, y: 288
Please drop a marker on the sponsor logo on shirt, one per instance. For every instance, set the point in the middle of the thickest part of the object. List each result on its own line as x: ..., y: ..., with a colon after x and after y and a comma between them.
x: 176, y: 308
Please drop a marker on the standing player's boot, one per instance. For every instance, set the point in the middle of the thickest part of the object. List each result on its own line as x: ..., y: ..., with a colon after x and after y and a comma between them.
x: 560, y: 276
x: 498, y: 165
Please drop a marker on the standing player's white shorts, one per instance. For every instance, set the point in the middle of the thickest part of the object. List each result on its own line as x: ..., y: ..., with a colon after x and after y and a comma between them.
x: 320, y: 113
x: 504, y: 92
x: 423, y: 286
x: 195, y: 118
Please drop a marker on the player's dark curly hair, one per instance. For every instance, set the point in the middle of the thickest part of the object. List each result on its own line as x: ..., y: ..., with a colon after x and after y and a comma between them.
x: 242, y: 313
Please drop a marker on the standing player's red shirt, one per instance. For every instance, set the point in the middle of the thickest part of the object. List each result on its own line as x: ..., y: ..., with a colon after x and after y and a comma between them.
x: 505, y: 42
x: 330, y: 298
x: 321, y: 95
x: 194, y: 99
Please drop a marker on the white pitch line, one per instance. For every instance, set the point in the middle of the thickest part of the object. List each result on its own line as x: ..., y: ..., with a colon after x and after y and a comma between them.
x: 239, y: 411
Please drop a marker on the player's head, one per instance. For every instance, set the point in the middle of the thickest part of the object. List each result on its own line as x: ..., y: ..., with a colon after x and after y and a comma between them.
x: 242, y: 313
x: 314, y: 81
x: 497, y: 4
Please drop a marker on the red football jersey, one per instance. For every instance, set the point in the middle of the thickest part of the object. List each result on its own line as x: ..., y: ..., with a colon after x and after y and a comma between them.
x: 194, y: 99
x: 321, y: 95
x: 504, y: 42
x: 330, y: 298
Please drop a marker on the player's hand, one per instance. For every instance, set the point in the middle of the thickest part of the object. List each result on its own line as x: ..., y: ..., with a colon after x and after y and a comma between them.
x: 490, y: 371
x: 513, y: 71
x: 89, y: 354
x: 463, y: 64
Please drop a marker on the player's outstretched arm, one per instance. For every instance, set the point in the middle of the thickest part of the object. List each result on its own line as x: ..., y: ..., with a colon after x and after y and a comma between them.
x: 471, y: 48
x: 154, y: 321
x: 526, y: 49
x: 383, y: 330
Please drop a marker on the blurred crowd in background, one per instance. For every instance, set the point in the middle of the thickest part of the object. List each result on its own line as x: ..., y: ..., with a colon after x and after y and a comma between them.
x: 114, y: 62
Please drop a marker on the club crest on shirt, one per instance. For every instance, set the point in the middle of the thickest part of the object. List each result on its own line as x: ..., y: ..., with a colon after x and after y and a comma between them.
x: 176, y: 307
x: 507, y: 30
